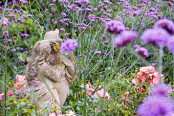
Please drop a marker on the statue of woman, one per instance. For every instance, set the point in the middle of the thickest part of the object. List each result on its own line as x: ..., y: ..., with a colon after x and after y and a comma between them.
x: 49, y: 72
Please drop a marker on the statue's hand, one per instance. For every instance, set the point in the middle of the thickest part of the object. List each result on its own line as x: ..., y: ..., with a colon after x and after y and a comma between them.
x: 66, y: 61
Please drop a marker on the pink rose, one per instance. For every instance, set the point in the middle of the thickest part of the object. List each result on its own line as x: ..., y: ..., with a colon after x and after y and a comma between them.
x: 1, y: 95
x: 9, y: 93
x: 156, y: 79
x: 90, y: 91
x: 20, y: 78
x: 135, y: 81
x: 96, y: 110
x: 102, y: 93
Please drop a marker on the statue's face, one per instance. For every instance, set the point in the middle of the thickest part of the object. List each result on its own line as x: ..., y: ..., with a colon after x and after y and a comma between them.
x: 56, y: 47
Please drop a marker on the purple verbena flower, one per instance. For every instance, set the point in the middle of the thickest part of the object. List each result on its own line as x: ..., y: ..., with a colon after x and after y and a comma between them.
x: 167, y: 24
x: 72, y: 6
x: 62, y: 29
x: 124, y: 38
x: 51, y: 4
x: 141, y: 51
x: 5, y: 33
x: 161, y: 89
x: 85, y: 2
x: 114, y: 27
x: 91, y: 17
x: 158, y: 36
x: 97, y: 52
x: 69, y: 44
x: 23, y: 16
x: 155, y: 106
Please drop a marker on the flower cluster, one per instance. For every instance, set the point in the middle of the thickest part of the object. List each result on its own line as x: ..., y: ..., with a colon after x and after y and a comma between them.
x: 114, y: 27
x: 70, y: 113
x: 20, y: 82
x: 146, y: 74
x: 124, y: 38
x: 141, y: 51
x: 166, y: 24
x: 157, y: 36
x: 69, y: 44
x: 1, y: 95
x: 158, y: 104
x: 160, y: 35
x: 101, y: 92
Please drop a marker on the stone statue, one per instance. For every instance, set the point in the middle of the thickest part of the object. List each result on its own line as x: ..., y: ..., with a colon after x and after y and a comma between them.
x: 49, y: 71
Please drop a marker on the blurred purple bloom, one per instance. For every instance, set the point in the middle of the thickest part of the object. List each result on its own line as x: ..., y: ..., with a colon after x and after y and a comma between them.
x: 72, y: 6
x: 106, y: 42
x: 161, y: 89
x: 158, y: 36
x: 124, y: 38
x: 69, y: 44
x: 30, y: 15
x: 51, y: 4
x: 10, y: 15
x: 53, y: 0
x: 167, y: 24
x: 5, y: 33
x: 91, y: 17
x: 85, y: 2
x: 95, y: 9
x: 10, y: 41
x: 97, y: 52
x: 114, y: 27
x: 64, y: 14
x: 23, y: 16
x: 62, y: 29
x: 66, y: 34
x: 155, y: 106
x: 25, y: 52
x: 141, y: 51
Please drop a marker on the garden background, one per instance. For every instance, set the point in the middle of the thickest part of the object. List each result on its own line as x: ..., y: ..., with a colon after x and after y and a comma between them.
x: 123, y: 46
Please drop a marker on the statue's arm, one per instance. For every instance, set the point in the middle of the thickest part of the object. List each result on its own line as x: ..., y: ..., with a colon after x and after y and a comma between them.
x: 47, y: 71
x: 69, y: 61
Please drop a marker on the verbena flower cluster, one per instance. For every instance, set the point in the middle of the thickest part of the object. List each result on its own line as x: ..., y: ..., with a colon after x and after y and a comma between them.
x: 114, y: 27
x: 68, y: 45
x: 161, y: 34
x: 141, y: 51
x: 124, y: 38
x: 158, y: 104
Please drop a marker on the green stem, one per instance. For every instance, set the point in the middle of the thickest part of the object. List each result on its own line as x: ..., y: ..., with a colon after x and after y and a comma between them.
x: 5, y: 79
x: 161, y: 80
